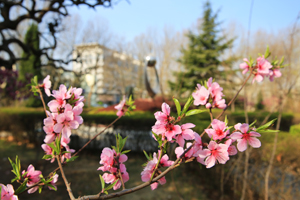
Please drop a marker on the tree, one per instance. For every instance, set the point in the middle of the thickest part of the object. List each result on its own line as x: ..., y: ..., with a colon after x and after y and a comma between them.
x: 48, y: 13
x: 31, y: 65
x: 202, y: 57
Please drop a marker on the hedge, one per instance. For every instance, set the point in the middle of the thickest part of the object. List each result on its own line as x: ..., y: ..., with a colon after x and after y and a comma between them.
x: 27, y: 123
x: 295, y: 129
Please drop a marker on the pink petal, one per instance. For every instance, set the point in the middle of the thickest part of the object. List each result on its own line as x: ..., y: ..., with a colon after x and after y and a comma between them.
x: 254, y: 142
x: 242, y: 145
x: 210, y: 161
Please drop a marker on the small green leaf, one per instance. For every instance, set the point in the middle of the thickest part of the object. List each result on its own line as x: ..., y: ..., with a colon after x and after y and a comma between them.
x: 126, y: 151
x: 266, y: 125
x: 252, y: 124
x: 281, y: 61
x: 71, y: 159
x: 40, y: 189
x: 22, y: 187
x: 269, y: 131
x: 148, y: 158
x: 226, y: 120
x: 178, y: 106
x: 102, y: 182
x: 46, y: 157
x: 51, y: 186
x: 267, y: 53
x: 14, y: 179
x: 194, y: 112
x: 187, y: 105
x: 111, y: 186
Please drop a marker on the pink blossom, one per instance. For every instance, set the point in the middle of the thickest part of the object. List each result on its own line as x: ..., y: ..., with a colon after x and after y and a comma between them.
x: 186, y: 134
x: 263, y: 66
x: 198, y: 145
x: 149, y: 169
x: 111, y: 178
x: 47, y: 85
x: 120, y: 107
x: 67, y: 155
x: 201, y: 95
x: 168, y: 130
x: 53, y: 182
x: 274, y: 74
x: 33, y: 177
x: 108, y: 160
x: 218, y: 130
x: 49, y: 151
x: 60, y: 96
x: 245, y: 66
x: 179, y: 151
x: 7, y: 192
x: 66, y: 122
x: 164, y: 116
x: 243, y: 136
x: 231, y: 148
x: 215, y: 152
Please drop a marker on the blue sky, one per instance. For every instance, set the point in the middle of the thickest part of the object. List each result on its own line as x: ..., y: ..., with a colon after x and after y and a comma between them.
x: 134, y: 18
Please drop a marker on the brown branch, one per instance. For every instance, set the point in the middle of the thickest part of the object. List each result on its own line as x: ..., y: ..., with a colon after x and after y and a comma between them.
x: 65, y: 178
x: 96, y: 136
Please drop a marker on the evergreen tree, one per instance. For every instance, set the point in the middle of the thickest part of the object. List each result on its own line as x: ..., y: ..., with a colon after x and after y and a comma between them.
x: 201, y: 58
x: 31, y: 64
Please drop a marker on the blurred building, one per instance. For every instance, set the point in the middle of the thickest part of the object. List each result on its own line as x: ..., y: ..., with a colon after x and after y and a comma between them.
x: 106, y: 74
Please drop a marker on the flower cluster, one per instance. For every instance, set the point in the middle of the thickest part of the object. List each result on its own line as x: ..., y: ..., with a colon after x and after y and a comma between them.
x: 263, y: 68
x: 220, y: 147
x: 7, y: 192
x: 64, y: 116
x: 211, y: 96
x: 113, y: 163
x: 150, y: 168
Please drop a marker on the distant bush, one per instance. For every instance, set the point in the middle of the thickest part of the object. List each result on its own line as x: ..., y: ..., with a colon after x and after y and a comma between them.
x: 295, y: 129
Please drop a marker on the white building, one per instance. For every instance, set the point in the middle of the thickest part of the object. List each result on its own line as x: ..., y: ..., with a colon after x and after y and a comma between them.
x: 106, y: 74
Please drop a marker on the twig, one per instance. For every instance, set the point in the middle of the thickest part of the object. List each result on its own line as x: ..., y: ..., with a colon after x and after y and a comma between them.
x: 65, y: 179
x: 96, y: 136
x: 42, y: 99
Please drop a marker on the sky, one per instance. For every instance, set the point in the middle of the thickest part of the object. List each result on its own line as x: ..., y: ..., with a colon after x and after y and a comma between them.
x: 130, y: 18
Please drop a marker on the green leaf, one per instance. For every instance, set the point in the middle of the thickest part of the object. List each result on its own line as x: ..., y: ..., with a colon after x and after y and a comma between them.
x: 14, y: 179
x: 57, y: 144
x: 267, y: 53
x: 126, y: 151
x: 158, y: 139
x: 22, y: 187
x: 281, y: 61
x: 194, y: 112
x: 102, y: 182
x: 266, y: 125
x: 252, y: 124
x: 178, y: 106
x: 46, y: 157
x: 51, y: 186
x: 226, y: 120
x: 269, y: 131
x: 114, y: 148
x: 148, y: 158
x: 71, y: 159
x: 40, y: 189
x: 187, y: 105
x: 111, y: 186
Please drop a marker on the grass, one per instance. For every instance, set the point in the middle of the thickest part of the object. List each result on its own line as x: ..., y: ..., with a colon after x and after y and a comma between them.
x: 84, y: 177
